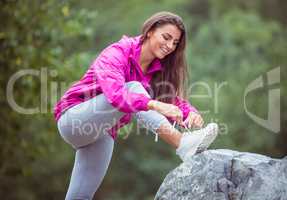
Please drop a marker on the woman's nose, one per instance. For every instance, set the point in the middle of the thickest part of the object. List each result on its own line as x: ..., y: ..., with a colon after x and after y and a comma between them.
x: 169, y: 45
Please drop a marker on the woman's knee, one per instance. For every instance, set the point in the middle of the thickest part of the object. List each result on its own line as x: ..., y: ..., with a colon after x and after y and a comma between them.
x: 137, y: 87
x: 132, y: 84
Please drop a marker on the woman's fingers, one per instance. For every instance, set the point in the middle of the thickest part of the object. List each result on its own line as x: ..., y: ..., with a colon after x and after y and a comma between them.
x: 175, y: 114
x: 179, y: 117
x: 199, y: 121
x: 195, y: 120
x: 189, y: 125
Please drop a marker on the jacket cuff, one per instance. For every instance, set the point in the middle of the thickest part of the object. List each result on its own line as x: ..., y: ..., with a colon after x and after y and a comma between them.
x: 144, y: 104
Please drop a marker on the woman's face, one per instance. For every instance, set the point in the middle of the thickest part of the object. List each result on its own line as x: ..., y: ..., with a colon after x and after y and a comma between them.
x: 163, y: 40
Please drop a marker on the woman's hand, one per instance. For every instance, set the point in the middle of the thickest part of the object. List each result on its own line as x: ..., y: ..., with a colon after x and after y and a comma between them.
x: 194, y: 120
x: 168, y: 110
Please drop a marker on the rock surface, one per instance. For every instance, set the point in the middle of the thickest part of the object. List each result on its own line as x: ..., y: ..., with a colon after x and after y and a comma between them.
x: 225, y: 174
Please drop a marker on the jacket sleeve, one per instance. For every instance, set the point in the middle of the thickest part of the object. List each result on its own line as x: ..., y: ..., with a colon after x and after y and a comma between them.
x: 184, y: 106
x: 109, y: 69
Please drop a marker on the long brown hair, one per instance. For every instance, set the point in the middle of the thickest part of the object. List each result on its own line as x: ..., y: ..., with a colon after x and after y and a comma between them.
x: 171, y: 81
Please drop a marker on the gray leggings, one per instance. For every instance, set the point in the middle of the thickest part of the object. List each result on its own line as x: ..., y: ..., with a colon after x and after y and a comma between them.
x: 85, y: 126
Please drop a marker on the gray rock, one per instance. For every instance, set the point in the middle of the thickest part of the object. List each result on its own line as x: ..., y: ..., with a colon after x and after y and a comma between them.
x: 225, y: 174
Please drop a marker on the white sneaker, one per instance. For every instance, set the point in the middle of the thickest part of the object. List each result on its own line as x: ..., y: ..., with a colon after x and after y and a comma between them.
x: 196, y: 141
x: 211, y: 134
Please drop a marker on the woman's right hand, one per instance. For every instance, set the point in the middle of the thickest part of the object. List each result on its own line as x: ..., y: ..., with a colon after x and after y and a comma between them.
x: 166, y: 109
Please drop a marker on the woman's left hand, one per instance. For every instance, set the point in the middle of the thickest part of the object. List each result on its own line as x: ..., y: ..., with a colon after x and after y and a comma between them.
x: 194, y: 120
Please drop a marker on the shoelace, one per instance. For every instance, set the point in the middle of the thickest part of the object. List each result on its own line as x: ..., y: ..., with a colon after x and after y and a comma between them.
x: 173, y: 125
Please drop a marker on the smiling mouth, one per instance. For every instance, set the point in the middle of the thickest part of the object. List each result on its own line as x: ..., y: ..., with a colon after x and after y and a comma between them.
x: 164, y: 51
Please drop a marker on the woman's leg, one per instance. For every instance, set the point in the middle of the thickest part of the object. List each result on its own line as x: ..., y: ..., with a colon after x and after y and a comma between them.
x: 90, y: 167
x: 170, y: 135
x: 84, y: 127
x: 84, y: 123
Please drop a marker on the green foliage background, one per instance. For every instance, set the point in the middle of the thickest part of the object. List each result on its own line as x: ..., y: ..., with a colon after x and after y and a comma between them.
x: 230, y: 43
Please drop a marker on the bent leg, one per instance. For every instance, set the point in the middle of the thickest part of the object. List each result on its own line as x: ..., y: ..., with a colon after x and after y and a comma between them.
x: 94, y: 148
x: 86, y: 122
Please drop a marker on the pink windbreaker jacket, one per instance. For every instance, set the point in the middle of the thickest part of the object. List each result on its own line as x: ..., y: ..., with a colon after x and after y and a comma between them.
x: 116, y: 64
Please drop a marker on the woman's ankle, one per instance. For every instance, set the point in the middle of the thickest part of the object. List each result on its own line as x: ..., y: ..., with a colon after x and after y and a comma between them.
x: 169, y: 134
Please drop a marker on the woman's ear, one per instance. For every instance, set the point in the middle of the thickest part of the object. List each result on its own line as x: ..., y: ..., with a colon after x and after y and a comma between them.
x: 149, y: 34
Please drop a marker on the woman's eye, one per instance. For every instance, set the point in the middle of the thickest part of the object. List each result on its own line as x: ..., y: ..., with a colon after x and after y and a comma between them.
x: 165, y: 37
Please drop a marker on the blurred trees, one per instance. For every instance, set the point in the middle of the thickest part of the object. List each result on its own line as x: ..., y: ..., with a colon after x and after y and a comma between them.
x: 231, y: 43
x: 38, y: 36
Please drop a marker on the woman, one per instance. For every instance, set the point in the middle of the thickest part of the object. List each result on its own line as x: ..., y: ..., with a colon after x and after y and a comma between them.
x: 115, y: 89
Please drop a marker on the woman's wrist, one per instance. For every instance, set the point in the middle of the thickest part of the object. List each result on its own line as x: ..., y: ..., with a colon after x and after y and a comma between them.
x: 152, y: 104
